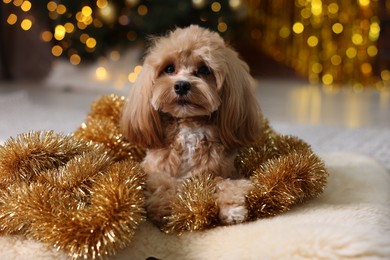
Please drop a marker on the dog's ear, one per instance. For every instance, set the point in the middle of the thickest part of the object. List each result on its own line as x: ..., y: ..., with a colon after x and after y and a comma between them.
x: 140, y: 122
x: 239, y: 116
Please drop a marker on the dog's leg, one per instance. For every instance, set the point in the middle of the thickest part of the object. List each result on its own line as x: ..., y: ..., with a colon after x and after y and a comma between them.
x: 160, y: 191
x: 231, y: 200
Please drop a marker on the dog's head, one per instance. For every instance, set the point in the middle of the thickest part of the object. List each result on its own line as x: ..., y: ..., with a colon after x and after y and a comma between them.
x: 191, y: 72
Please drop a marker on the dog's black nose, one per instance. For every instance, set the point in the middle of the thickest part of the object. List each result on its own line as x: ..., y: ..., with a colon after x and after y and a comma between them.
x: 182, y: 87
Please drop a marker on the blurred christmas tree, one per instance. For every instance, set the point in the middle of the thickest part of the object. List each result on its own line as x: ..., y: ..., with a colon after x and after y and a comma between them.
x: 331, y: 42
x: 85, y: 30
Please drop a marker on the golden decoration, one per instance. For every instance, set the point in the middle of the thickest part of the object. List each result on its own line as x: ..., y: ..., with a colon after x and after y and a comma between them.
x: 24, y: 157
x: 102, y: 127
x: 195, y: 207
x: 84, y: 193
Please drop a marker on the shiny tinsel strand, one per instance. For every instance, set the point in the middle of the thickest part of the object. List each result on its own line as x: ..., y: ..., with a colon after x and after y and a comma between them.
x: 69, y: 193
x: 108, y: 106
x: 90, y: 230
x: 195, y: 206
x: 26, y: 156
x: 285, y: 181
x: 107, y: 223
x: 22, y: 204
x: 102, y: 127
x: 249, y: 158
x: 79, y: 171
x: 101, y: 130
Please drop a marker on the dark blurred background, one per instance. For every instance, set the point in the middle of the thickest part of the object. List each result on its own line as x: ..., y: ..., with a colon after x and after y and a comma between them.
x: 328, y: 42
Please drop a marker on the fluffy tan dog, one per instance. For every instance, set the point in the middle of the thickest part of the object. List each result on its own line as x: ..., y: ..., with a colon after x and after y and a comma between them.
x: 192, y: 107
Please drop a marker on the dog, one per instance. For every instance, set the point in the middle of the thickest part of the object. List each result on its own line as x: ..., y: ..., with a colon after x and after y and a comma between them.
x: 192, y: 107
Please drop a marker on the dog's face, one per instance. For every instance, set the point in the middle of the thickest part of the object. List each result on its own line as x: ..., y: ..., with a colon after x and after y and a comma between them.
x: 192, y: 72
x: 186, y: 74
x: 185, y: 86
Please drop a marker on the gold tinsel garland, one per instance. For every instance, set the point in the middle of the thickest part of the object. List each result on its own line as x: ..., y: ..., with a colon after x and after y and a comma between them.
x: 102, y: 127
x: 194, y: 207
x: 81, y: 193
x: 84, y: 193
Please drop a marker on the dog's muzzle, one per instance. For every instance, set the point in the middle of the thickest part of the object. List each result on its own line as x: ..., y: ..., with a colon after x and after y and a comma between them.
x: 182, y: 87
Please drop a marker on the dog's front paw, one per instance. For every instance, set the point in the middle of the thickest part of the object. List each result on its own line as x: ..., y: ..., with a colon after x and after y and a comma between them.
x: 231, y: 200
x: 233, y: 214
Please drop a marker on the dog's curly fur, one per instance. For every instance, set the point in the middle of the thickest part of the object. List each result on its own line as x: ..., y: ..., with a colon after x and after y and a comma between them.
x: 196, y: 127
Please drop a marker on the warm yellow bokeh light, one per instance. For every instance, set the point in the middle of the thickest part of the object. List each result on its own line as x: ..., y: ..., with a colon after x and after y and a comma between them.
x: 26, y: 24
x: 101, y: 3
x: 81, y: 25
x: 79, y: 17
x: 132, y: 77
x: 26, y: 6
x: 59, y: 32
x: 18, y: 2
x: 12, y: 19
x: 222, y: 27
x: 374, y: 31
x: 316, y: 68
x: 61, y: 9
x: 335, y: 60
x: 86, y: 11
x: 333, y: 8
x: 107, y: 13
x: 385, y: 75
x: 364, y: 3
x: 366, y: 68
x: 234, y: 4
x: 199, y: 4
x: 372, y: 51
x: 327, y: 79
x: 75, y: 59
x: 51, y: 6
x: 115, y: 55
x: 284, y: 32
x: 56, y: 50
x: 357, y: 39
x: 46, y: 36
x: 351, y: 52
x: 137, y: 69
x: 298, y: 27
x: 91, y: 42
x: 337, y: 28
x: 84, y: 37
x: 7, y: 1
x: 306, y: 13
x: 101, y: 73
x: 69, y: 27
x: 216, y: 7
x: 142, y: 10
x: 316, y: 7
x: 312, y: 41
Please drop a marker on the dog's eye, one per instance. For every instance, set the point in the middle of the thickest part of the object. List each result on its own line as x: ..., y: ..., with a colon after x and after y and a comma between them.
x: 204, y: 70
x: 169, y: 69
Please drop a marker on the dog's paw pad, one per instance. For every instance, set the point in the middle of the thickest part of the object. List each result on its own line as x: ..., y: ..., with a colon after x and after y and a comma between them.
x: 233, y: 214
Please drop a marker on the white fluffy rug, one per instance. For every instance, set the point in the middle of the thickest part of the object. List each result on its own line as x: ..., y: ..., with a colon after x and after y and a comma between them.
x: 350, y: 221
